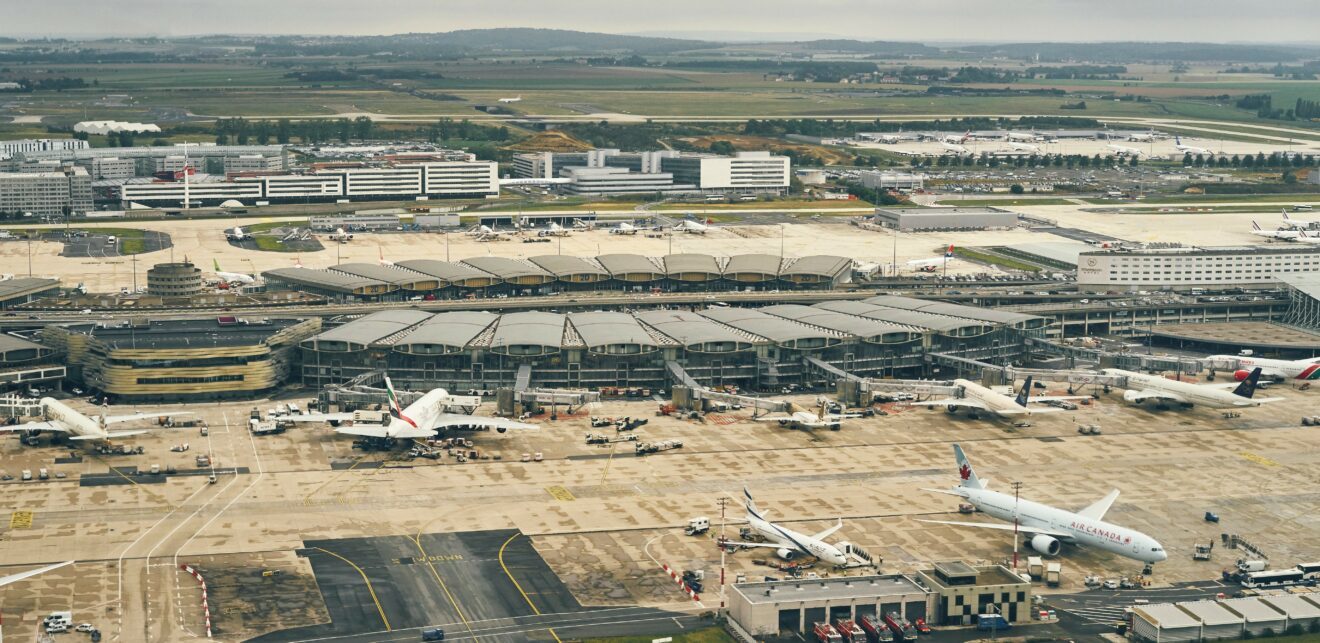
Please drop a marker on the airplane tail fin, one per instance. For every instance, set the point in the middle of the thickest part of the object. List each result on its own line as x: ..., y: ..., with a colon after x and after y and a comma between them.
x: 1025, y: 393
x: 965, y: 472
x: 399, y: 423
x: 1285, y: 215
x: 1248, y: 386
x: 751, y: 505
x: 216, y: 263
x: 1255, y: 226
x: 948, y: 253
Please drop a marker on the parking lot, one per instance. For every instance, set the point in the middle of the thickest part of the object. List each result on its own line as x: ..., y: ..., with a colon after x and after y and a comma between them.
x: 604, y: 520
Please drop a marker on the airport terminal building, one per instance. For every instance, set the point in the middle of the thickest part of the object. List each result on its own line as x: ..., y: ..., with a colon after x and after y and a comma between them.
x: 1189, y: 267
x: 763, y: 348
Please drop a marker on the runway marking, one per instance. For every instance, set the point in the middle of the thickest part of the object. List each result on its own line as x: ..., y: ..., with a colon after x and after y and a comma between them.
x: 20, y: 520
x: 1258, y: 459
x: 606, y: 471
x: 560, y: 493
x: 527, y: 598
x: 417, y: 540
x: 366, y: 580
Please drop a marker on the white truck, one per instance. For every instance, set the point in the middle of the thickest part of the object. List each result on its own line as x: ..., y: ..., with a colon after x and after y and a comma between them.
x: 697, y: 526
x: 1053, y: 574
x: 1035, y: 567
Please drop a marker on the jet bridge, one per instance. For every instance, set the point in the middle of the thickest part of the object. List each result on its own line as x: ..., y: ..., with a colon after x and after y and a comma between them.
x: 17, y: 406
x: 688, y: 394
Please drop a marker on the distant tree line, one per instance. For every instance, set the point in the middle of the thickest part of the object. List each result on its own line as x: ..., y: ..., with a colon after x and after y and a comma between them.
x: 242, y: 131
x: 51, y: 84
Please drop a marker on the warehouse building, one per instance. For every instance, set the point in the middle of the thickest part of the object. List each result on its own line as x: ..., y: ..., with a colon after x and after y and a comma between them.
x: 1258, y: 618
x: 1183, y: 268
x: 1217, y: 622
x: 1164, y: 622
x: 182, y: 360
x: 21, y: 290
x: 604, y: 181
x: 752, y: 348
x: 963, y: 592
x: 791, y: 607
x: 46, y: 193
x: 929, y: 219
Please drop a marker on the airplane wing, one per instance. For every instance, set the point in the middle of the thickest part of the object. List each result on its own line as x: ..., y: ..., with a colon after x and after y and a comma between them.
x: 316, y: 417
x: 1148, y: 394
x: 115, y: 419
x: 449, y: 420
x: 5, y: 580
x: 367, y: 430
x: 829, y: 532
x: 953, y: 402
x: 36, y: 426
x: 745, y: 544
x: 106, y: 436
x: 1258, y: 400
x: 1097, y: 509
x: 1057, y: 398
x: 1001, y: 527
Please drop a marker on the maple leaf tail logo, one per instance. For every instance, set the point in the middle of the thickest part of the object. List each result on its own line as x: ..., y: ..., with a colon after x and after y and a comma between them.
x: 965, y: 471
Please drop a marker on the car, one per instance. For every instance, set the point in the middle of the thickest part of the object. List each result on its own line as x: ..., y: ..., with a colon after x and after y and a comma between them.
x: 84, y: 627
x: 1110, y: 584
x: 56, y: 627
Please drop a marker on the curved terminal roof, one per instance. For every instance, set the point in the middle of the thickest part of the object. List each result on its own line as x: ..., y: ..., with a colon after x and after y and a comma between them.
x: 446, y: 332
x: 570, y: 268
x: 528, y: 333
x: 612, y: 332
x: 696, y: 333
x: 511, y: 270
x: 454, y: 274
x: 327, y: 280
x: 628, y: 267
x: 405, y: 279
x: 872, y: 330
x: 376, y: 329
x: 752, y: 267
x: 816, y: 266
x: 938, y: 323
x: 956, y: 310
x: 781, y: 331
x: 692, y: 267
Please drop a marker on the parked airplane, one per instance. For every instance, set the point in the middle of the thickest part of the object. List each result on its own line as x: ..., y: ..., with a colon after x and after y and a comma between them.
x: 1142, y: 387
x: 789, y: 544
x: 1277, y: 369
x: 809, y: 420
x: 421, y: 419
x: 957, y: 138
x: 515, y: 99
x: 624, y: 228
x: 61, y: 418
x: 1285, y: 235
x: 1048, y: 527
x: 1124, y: 150
x: 1189, y: 149
x: 232, y: 277
x: 692, y: 227
x: 975, y: 398
x: 380, y: 253
x: 1023, y: 147
x: 14, y: 578
x: 341, y: 236
x: 930, y: 265
x: 1143, y: 137
x: 486, y: 233
x: 236, y: 234
x: 1020, y: 136
x: 555, y: 230
x: 1297, y: 224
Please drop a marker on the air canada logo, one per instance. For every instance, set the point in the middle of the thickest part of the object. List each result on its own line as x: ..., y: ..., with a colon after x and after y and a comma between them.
x: 965, y: 471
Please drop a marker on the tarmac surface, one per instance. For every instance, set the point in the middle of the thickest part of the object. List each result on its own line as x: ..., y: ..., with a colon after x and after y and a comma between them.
x: 584, y: 533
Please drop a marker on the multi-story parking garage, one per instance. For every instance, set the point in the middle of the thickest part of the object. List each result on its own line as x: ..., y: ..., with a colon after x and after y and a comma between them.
x: 545, y: 274
x: 753, y: 348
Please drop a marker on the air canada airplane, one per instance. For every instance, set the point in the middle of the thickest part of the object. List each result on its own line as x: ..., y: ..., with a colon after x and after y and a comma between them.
x: 789, y: 544
x: 421, y: 419
x: 976, y: 398
x: 1046, y: 527
x: 62, y: 418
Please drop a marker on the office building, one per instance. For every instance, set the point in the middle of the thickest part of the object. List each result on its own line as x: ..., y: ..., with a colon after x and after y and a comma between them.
x: 46, y: 193
x: 965, y: 592
x: 1182, y: 268
x: 743, y: 173
x: 877, y: 180
x: 254, y: 163
x: 103, y: 168
x: 27, y: 146
x: 618, y: 180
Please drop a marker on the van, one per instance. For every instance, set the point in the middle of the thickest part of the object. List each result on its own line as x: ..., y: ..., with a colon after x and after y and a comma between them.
x: 27, y: 475
x: 43, y: 474
x: 433, y: 634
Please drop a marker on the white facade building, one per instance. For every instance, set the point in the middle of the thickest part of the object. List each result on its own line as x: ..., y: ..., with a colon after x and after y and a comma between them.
x: 46, y: 193
x: 26, y: 146
x: 616, y: 180
x: 110, y: 168
x: 746, y: 172
x: 1194, y: 267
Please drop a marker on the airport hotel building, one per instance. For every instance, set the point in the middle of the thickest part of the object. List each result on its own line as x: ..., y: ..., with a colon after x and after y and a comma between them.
x: 1181, y: 268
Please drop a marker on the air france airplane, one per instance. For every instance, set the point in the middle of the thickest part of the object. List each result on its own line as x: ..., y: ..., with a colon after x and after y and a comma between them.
x: 1048, y: 527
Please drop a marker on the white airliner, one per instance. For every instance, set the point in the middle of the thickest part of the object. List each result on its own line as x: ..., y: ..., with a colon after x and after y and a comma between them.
x: 1189, y: 149
x: 555, y: 230
x: 976, y: 398
x: 1277, y: 369
x: 486, y: 233
x: 809, y: 420
x: 789, y: 544
x: 1020, y: 136
x: 692, y: 227
x: 14, y: 578
x: 341, y: 236
x: 236, y: 234
x: 1048, y: 527
x: 1142, y: 387
x: 624, y: 228
x: 61, y: 418
x: 1023, y: 147
x: 1143, y: 137
x: 1124, y: 150
x: 1297, y: 224
x: 380, y: 254
x: 515, y: 99
x: 929, y: 265
x: 232, y: 277
x: 1285, y: 235
x: 421, y: 419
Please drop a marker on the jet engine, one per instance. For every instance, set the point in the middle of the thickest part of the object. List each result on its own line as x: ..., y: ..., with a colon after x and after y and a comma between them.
x: 1132, y: 396
x: 1047, y: 545
x: 786, y: 553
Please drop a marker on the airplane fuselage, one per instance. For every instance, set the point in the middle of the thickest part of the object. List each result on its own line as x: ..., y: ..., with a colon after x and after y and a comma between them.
x: 1205, y: 395
x: 1084, y: 531
x: 1276, y: 368
x: 792, y: 540
x: 77, y: 423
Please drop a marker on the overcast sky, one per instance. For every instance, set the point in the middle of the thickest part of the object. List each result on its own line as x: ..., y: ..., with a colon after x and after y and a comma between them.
x: 922, y: 20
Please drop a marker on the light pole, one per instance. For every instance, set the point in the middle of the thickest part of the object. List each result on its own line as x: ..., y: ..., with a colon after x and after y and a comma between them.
x: 1017, y: 487
x: 723, y: 502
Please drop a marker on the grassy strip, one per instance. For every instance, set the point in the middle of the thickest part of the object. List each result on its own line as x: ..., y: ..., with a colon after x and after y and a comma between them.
x: 1007, y: 202
x: 1219, y: 198
x: 995, y: 260
x: 707, y: 635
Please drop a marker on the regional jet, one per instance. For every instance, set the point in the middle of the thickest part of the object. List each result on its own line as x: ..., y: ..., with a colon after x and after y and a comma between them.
x: 789, y: 544
x: 1189, y: 149
x: 421, y: 419
x: 977, y: 398
x: 232, y: 277
x: 692, y: 227
x: 1048, y: 527
x: 1142, y: 387
x: 515, y: 99
x: 930, y: 265
x: 61, y: 418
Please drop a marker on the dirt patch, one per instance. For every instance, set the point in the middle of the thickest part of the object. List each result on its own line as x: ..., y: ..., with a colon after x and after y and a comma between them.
x: 745, y: 143
x: 550, y: 141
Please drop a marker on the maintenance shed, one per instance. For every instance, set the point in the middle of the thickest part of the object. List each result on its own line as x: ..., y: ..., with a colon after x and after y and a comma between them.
x: 1302, y: 610
x: 1258, y: 617
x: 790, y: 607
x: 1164, y: 622
x: 945, y: 218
